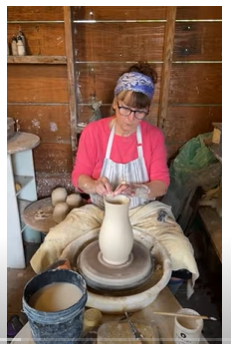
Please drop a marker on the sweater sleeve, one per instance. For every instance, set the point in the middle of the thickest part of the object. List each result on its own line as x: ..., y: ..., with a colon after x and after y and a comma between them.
x: 158, y: 165
x: 85, y: 156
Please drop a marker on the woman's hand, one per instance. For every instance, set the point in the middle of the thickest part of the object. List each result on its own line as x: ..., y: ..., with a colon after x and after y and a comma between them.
x: 132, y: 190
x: 102, y: 186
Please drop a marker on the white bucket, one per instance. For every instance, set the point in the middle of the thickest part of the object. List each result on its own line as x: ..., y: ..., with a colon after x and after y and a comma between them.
x: 187, y: 330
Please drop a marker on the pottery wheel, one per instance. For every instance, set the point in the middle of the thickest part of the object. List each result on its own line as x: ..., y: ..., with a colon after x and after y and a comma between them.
x: 104, y: 276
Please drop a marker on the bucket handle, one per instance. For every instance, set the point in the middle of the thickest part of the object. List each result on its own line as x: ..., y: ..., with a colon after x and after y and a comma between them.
x: 60, y: 264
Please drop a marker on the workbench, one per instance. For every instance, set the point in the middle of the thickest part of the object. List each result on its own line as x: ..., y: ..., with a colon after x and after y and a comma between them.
x: 165, y: 302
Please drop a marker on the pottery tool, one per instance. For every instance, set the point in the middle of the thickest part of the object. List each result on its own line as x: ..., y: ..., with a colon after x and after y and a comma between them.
x: 135, y: 332
x: 185, y: 315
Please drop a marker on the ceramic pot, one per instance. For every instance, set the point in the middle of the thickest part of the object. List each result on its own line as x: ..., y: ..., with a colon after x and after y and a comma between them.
x: 116, y: 234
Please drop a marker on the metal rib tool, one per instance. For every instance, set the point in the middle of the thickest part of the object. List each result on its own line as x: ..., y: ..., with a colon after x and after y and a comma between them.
x: 135, y: 332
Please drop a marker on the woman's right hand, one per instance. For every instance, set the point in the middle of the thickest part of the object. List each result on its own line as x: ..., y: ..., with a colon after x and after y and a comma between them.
x: 102, y: 186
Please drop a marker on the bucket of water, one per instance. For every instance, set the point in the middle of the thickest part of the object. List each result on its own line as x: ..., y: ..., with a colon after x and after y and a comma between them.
x: 54, y: 302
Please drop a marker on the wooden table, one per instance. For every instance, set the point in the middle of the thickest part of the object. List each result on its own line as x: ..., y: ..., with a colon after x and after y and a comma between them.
x: 213, y: 226
x: 165, y: 302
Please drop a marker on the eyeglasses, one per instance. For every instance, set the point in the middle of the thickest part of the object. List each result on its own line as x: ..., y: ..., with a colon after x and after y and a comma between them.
x: 126, y: 111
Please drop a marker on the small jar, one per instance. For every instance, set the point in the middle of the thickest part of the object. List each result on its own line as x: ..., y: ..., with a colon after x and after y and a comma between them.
x: 14, y: 46
x: 21, y: 35
x: 21, y: 47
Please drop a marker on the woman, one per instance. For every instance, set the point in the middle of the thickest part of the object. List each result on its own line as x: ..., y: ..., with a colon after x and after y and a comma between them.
x: 124, y: 153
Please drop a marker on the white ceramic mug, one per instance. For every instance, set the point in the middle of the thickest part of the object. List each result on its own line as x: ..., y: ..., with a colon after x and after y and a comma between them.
x: 187, y: 330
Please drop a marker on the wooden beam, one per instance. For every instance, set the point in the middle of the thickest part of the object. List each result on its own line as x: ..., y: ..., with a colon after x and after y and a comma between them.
x: 167, y: 64
x: 71, y: 76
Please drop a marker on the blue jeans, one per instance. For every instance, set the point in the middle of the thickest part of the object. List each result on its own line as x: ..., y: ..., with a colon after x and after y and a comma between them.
x: 174, y: 284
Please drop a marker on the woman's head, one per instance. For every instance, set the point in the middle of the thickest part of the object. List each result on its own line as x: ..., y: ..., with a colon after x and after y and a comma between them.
x: 135, y: 87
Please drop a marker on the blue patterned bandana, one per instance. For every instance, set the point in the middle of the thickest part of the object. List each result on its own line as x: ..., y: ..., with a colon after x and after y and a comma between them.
x: 136, y: 82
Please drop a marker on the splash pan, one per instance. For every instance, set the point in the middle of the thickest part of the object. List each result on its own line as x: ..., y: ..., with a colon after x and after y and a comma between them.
x: 118, y: 301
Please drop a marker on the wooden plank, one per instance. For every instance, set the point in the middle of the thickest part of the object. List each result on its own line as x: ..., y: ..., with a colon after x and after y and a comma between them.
x: 166, y: 70
x: 99, y: 81
x: 119, y: 13
x: 41, y: 39
x: 46, y: 121
x: 93, y: 42
x: 43, y: 84
x: 36, y: 59
x: 198, y: 42
x: 172, y: 148
x: 196, y: 84
x: 199, y: 120
x: 34, y: 13
x: 213, y: 226
x: 53, y: 158
x: 71, y: 77
x: 198, y: 12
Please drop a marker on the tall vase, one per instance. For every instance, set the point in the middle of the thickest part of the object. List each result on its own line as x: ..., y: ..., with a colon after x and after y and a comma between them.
x: 116, y: 234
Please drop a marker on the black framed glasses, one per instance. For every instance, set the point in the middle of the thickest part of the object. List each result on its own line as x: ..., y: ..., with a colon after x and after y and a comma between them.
x: 126, y: 111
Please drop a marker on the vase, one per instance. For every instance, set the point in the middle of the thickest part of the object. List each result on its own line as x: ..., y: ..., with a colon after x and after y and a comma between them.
x: 116, y: 234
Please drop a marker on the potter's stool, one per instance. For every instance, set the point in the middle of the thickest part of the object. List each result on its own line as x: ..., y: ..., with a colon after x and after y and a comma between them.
x: 39, y: 215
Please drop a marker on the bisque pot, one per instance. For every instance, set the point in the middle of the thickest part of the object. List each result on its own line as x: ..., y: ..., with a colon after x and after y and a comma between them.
x: 116, y: 234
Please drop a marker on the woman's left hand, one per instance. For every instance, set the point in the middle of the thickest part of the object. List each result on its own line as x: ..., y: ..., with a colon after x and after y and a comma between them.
x: 132, y: 190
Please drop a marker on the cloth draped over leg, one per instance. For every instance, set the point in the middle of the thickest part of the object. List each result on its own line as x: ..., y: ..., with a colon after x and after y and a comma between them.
x: 154, y: 218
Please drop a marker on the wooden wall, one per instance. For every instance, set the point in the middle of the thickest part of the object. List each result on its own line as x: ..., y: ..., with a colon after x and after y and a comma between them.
x: 183, y: 43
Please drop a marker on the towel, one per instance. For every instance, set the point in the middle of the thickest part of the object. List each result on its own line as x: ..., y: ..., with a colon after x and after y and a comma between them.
x: 154, y: 218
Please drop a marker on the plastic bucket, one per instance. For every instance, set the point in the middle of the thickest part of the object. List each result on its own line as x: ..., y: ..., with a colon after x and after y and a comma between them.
x: 63, y: 326
x: 187, y: 330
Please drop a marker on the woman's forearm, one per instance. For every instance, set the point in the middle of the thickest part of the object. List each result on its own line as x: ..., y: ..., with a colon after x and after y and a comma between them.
x: 86, y: 184
x: 157, y: 188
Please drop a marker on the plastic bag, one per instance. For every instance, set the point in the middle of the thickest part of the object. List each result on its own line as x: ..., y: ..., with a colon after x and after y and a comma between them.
x: 193, y: 157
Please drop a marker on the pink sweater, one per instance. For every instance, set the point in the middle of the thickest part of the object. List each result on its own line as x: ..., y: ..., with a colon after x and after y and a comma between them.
x: 92, y: 149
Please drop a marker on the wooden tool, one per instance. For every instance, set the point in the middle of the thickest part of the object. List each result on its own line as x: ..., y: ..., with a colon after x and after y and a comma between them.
x: 185, y: 315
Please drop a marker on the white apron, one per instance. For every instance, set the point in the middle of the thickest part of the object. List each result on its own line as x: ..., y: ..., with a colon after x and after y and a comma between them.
x: 132, y: 172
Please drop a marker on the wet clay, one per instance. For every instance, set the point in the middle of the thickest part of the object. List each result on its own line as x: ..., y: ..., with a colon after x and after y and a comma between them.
x: 55, y: 297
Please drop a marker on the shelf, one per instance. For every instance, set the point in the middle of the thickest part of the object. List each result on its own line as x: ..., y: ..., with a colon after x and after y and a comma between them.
x: 36, y: 59
x: 23, y: 182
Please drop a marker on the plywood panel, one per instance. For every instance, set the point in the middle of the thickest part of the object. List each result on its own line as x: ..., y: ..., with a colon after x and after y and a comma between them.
x: 196, y: 84
x: 199, y: 12
x: 50, y: 123
x: 53, y: 158
x: 41, y: 39
x: 37, y: 84
x: 198, y: 119
x: 107, y: 42
x: 99, y: 80
x: 119, y: 12
x: 35, y: 13
x: 198, y: 42
x: 119, y: 42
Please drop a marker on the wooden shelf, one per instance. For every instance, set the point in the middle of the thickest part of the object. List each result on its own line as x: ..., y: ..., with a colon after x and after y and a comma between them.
x: 213, y: 226
x: 32, y: 59
x: 23, y: 181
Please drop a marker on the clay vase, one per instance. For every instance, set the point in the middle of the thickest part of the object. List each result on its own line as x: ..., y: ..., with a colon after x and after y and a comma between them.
x: 116, y: 234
